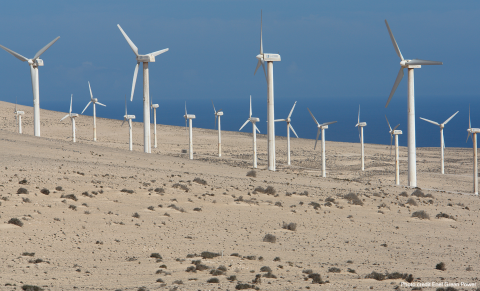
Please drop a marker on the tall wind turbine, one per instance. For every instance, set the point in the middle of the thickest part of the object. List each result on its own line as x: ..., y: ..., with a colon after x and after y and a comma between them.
x: 18, y: 116
x: 410, y: 65
x: 129, y: 118
x: 360, y: 126
x: 269, y: 58
x: 154, y: 108
x: 442, y: 142
x: 72, y: 117
x: 321, y: 127
x: 473, y: 132
x: 218, y: 114
x: 253, y: 120
x: 34, y: 64
x: 145, y: 59
x: 289, y: 126
x: 395, y: 132
x: 189, y: 117
x: 94, y: 101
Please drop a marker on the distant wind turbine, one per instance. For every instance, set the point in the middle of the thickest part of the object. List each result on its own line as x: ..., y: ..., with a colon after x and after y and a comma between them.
x: 321, y: 127
x: 34, y: 64
x: 473, y: 132
x: 154, y: 108
x: 145, y: 59
x: 72, y: 117
x: 253, y: 120
x: 442, y: 142
x: 129, y: 118
x: 394, y: 132
x: 218, y: 114
x: 289, y: 126
x: 18, y: 116
x: 360, y: 126
x: 94, y: 101
x: 189, y: 117
x: 410, y: 65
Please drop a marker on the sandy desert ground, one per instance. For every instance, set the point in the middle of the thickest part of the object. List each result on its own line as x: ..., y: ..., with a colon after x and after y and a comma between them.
x: 119, y: 220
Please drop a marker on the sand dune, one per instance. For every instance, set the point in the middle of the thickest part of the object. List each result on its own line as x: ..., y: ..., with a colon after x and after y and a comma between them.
x: 116, y: 208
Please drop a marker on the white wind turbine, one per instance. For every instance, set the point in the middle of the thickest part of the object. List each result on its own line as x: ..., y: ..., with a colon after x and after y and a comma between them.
x: 18, y: 116
x: 72, y: 117
x: 145, y: 59
x: 129, y: 118
x: 253, y: 120
x: 360, y: 126
x: 289, y: 126
x: 218, y: 114
x: 394, y: 132
x: 321, y: 127
x: 473, y: 132
x: 154, y: 108
x: 410, y: 65
x: 34, y: 64
x: 189, y: 117
x: 269, y: 58
x: 442, y: 141
x: 94, y: 101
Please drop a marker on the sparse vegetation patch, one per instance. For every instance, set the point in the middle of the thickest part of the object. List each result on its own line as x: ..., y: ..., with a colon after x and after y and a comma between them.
x: 421, y: 214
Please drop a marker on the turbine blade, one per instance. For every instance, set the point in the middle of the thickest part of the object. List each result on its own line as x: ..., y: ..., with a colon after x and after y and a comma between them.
x: 468, y: 136
x: 395, y: 85
x: 158, y: 52
x: 359, y: 137
x: 293, y: 130
x: 469, y: 123
x: 328, y: 123
x: 443, y: 140
x: 250, y: 106
x: 101, y: 104
x: 132, y: 45
x: 65, y: 117
x: 40, y: 52
x: 396, y: 127
x: 91, y: 95
x: 134, y: 80
x: 125, y: 104
x: 185, y: 109
x: 432, y: 122
x: 248, y: 120
x: 395, y: 45
x: 216, y: 116
x: 258, y: 66
x: 124, y: 120
x: 280, y: 120
x: 313, y: 116
x: 316, y: 140
x: 256, y: 128
x: 358, y: 114
x: 265, y: 72
x: 291, y: 111
x: 391, y: 141
x: 71, y: 100
x: 91, y: 102
x: 388, y: 123
x: 214, y: 108
x: 17, y: 55
x: 261, y: 38
x: 423, y: 62
x: 446, y: 121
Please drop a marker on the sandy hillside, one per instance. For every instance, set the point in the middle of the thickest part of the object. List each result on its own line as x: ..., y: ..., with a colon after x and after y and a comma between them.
x: 98, y: 217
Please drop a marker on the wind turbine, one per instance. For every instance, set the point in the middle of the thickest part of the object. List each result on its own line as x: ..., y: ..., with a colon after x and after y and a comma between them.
x: 34, y: 64
x: 360, y: 126
x: 189, y: 117
x: 395, y: 132
x: 72, y: 117
x: 322, y: 127
x: 289, y: 126
x: 410, y: 65
x: 218, y: 114
x: 94, y: 101
x: 473, y: 132
x: 442, y: 141
x: 154, y: 107
x: 269, y: 58
x: 253, y: 120
x: 18, y: 116
x: 145, y: 59
x: 129, y: 118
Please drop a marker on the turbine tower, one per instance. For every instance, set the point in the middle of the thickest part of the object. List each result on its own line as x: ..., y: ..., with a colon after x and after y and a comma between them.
x: 394, y: 132
x: 129, y: 118
x: 72, y: 117
x: 18, y: 116
x: 473, y: 132
x: 218, y: 114
x: 189, y: 117
x: 360, y: 126
x: 94, y: 101
x: 253, y: 120
x: 322, y: 127
x: 34, y: 64
x: 145, y: 59
x: 154, y: 108
x: 269, y: 58
x: 442, y: 141
x: 410, y: 65
x: 289, y: 126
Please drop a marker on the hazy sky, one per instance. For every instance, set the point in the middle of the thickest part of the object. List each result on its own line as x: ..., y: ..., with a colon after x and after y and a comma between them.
x: 329, y: 49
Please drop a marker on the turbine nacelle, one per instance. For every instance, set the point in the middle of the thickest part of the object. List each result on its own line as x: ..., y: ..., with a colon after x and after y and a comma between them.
x: 254, y: 119
x: 129, y: 116
x: 36, y: 62
x: 155, y: 106
x: 361, y: 124
x: 189, y: 116
x: 322, y: 126
x: 146, y: 59
x: 19, y: 112
x: 395, y: 132
x: 94, y: 100
x: 405, y: 64
x: 269, y: 57
x: 219, y: 113
x: 474, y: 130
x: 73, y: 115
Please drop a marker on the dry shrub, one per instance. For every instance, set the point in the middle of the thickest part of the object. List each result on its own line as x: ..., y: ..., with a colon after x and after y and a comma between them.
x: 252, y: 173
x: 290, y: 226
x: 15, y: 221
x: 421, y: 214
x: 411, y: 201
x: 22, y: 191
x: 353, y: 199
x: 200, y: 181
x: 269, y: 238
x: 420, y: 194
